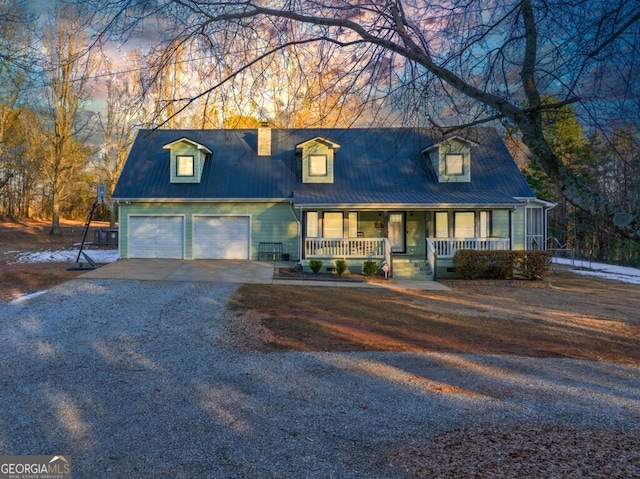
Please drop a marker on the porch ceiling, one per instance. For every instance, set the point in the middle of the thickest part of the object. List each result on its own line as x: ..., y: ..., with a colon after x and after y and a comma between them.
x: 403, y: 199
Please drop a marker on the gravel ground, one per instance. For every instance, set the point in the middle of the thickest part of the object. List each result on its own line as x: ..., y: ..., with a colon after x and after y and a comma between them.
x: 142, y: 379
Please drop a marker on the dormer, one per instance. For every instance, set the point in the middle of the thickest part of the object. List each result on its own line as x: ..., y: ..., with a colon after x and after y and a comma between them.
x: 451, y: 159
x: 187, y: 159
x: 318, y: 156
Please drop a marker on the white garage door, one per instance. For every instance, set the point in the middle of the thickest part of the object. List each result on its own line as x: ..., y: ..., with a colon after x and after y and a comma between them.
x: 156, y: 237
x: 221, y: 237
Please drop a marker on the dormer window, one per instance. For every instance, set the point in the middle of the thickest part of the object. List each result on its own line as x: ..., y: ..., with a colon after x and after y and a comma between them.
x: 187, y: 159
x: 318, y: 157
x: 184, y: 165
x: 451, y: 159
x: 454, y: 164
x: 317, y: 165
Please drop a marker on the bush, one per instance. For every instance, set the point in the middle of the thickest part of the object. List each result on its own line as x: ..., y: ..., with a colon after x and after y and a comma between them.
x: 369, y: 268
x: 341, y: 266
x: 499, y: 264
x: 533, y: 264
x: 315, y: 265
x: 471, y: 264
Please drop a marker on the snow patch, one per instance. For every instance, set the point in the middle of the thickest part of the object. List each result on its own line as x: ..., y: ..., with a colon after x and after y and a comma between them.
x: 66, y: 256
x: 624, y: 274
x: 23, y: 298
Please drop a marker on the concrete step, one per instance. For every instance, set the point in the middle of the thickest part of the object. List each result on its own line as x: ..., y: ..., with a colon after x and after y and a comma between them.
x: 411, y: 268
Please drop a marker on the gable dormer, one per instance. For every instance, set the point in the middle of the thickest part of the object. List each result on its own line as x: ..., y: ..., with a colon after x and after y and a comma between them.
x: 318, y: 157
x: 451, y: 159
x: 187, y: 159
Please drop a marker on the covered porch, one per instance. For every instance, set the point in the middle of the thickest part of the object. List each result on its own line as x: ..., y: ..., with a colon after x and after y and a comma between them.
x: 416, y: 238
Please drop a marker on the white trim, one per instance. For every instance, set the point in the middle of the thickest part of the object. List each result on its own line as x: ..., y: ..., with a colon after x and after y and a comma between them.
x: 184, y: 139
x: 319, y: 139
x: 472, y: 144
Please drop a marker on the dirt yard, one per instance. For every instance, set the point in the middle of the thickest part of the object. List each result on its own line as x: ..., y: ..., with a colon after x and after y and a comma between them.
x: 29, y: 235
x: 574, y: 316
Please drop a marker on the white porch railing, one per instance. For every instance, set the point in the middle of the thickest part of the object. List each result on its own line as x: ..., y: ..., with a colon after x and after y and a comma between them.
x: 447, y: 247
x: 368, y: 248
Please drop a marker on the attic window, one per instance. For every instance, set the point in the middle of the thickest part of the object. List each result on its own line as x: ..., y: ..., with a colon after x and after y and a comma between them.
x: 184, y: 165
x: 454, y: 164
x: 317, y: 165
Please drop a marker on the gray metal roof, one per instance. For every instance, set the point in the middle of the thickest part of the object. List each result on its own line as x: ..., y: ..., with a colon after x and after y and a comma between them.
x: 372, y: 167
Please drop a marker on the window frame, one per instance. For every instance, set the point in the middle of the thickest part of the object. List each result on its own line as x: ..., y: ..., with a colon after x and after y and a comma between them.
x: 458, y: 221
x: 353, y: 224
x: 449, y: 169
x: 316, y: 157
x: 441, y: 228
x: 179, y: 162
x: 338, y: 216
x: 312, y: 224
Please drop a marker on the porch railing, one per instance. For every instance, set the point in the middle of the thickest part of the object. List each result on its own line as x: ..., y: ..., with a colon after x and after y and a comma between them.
x: 367, y: 248
x: 447, y: 247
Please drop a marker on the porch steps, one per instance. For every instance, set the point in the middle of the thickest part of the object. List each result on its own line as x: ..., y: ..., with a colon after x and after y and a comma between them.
x: 411, y: 268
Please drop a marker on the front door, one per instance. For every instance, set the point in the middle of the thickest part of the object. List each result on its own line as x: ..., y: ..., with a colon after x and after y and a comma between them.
x: 396, y: 232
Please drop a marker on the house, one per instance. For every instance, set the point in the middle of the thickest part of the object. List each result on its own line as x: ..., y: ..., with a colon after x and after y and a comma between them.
x: 404, y: 197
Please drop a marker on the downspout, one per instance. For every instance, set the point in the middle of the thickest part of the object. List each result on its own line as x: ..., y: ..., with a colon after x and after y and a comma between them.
x: 299, y: 225
x: 526, y: 226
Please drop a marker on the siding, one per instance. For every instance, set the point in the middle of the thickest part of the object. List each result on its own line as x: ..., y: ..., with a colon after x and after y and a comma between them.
x: 269, y: 222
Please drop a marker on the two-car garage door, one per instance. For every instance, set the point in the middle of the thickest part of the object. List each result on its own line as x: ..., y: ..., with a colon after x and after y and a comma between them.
x: 214, y: 237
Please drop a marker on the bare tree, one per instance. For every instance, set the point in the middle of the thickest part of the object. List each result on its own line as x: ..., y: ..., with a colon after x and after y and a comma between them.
x: 15, y: 46
x: 457, y: 63
x: 68, y: 66
x: 117, y: 123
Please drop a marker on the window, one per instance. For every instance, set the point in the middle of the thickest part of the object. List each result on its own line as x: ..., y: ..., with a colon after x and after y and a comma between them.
x: 464, y: 224
x: 442, y: 224
x: 184, y: 165
x: 484, y: 224
x: 317, y: 165
x: 312, y: 224
x: 332, y: 225
x: 453, y: 164
x: 353, y: 224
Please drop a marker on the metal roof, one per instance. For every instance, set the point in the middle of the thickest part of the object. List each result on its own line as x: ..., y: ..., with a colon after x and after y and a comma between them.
x: 372, y: 167
x: 408, y: 199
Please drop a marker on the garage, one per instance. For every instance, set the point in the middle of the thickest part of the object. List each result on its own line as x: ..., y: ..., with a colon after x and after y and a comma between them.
x: 156, y: 237
x: 221, y: 237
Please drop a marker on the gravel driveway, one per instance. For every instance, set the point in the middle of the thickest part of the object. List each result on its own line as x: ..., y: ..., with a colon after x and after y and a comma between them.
x: 142, y: 379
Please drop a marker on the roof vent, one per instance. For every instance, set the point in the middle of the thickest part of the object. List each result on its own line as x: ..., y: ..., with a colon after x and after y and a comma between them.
x: 264, y: 141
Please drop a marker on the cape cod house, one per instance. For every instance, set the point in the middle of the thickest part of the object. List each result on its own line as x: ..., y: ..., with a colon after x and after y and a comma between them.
x: 407, y: 198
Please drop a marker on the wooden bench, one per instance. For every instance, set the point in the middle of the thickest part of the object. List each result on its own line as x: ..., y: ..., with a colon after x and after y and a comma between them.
x: 269, y: 251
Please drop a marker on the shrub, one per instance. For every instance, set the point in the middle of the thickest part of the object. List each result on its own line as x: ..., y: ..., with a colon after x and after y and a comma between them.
x: 533, y: 264
x: 369, y: 268
x: 341, y: 266
x: 315, y: 265
x: 471, y: 264
x: 499, y: 264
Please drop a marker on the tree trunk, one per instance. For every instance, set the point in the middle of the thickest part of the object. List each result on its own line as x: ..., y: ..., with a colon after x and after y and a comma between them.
x: 55, y: 220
